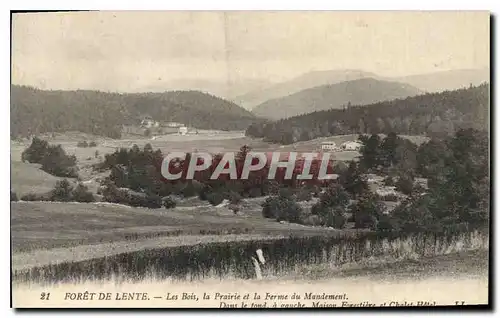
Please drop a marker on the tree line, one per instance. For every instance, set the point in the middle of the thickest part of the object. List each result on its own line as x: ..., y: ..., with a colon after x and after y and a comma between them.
x: 53, y: 158
x: 433, y: 114
x: 35, y: 111
x: 458, y: 193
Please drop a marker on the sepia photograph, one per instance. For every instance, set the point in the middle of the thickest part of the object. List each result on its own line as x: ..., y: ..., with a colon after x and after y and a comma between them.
x: 250, y: 159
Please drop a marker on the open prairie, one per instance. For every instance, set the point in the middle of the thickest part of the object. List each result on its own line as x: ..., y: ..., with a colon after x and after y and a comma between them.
x: 44, y: 225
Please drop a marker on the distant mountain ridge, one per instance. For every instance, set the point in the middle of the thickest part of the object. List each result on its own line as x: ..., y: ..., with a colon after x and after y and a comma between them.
x: 336, y: 96
x: 430, y: 82
x: 36, y: 111
x: 305, y: 81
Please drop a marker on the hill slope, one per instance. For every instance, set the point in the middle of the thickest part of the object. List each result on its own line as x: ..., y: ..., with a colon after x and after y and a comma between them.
x: 305, y: 81
x: 357, y: 92
x: 224, y: 89
x: 36, y: 111
x: 427, y: 114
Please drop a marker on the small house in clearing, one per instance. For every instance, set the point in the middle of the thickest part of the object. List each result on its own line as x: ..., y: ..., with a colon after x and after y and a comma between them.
x: 328, y: 146
x: 351, y: 146
x: 149, y: 122
x: 173, y: 124
x: 183, y: 130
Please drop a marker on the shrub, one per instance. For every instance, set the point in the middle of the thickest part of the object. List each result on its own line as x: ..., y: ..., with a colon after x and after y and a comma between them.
x: 335, y: 195
x: 339, y: 168
x: 215, y: 198
x: 36, y: 151
x: 13, y: 196
x: 332, y: 206
x: 92, y: 144
x: 270, y: 207
x: 169, y: 202
x: 192, y: 189
x: 82, y: 194
x: 389, y: 197
x: 82, y: 144
x: 234, y: 207
x: 312, y: 220
x: 271, y: 187
x: 56, y: 162
x: 353, y: 181
x: 366, y: 211
x: 153, y: 201
x: 234, y: 197
x: 282, y: 208
x: 289, y: 211
x: 62, y: 192
x: 304, y: 194
x: 386, y: 223
x: 334, y: 217
x: 135, y: 199
x: 285, y: 192
x: 204, y: 192
x: 36, y: 197
x: 388, y: 181
x: 255, y: 192
x: 129, y: 197
x: 405, y: 184
x: 416, y: 214
x: 316, y: 191
x: 418, y: 188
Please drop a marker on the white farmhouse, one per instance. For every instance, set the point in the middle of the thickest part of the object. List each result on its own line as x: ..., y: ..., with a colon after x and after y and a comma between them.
x: 351, y: 146
x: 173, y: 124
x: 183, y: 130
x: 149, y: 122
x: 328, y: 146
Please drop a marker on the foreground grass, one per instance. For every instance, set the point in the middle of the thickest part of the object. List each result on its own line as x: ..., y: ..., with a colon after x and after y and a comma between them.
x: 439, y: 280
x: 198, y: 258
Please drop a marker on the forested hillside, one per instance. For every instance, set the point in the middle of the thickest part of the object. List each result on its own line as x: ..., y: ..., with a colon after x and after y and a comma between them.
x: 36, y: 111
x: 357, y: 92
x: 428, y: 114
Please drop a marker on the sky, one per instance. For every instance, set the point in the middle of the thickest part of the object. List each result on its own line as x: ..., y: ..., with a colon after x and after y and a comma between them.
x: 131, y: 51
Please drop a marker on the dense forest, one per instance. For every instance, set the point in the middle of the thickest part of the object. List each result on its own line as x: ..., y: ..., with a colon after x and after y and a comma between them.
x: 433, y: 114
x: 35, y: 111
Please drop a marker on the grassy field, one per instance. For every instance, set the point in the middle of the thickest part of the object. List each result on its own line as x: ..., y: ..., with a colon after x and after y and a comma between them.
x: 43, y: 225
x: 441, y: 280
x: 208, y: 141
x: 28, y: 177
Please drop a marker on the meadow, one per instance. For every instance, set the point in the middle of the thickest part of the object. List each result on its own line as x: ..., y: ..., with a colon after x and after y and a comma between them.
x: 440, y: 280
x: 225, y: 257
